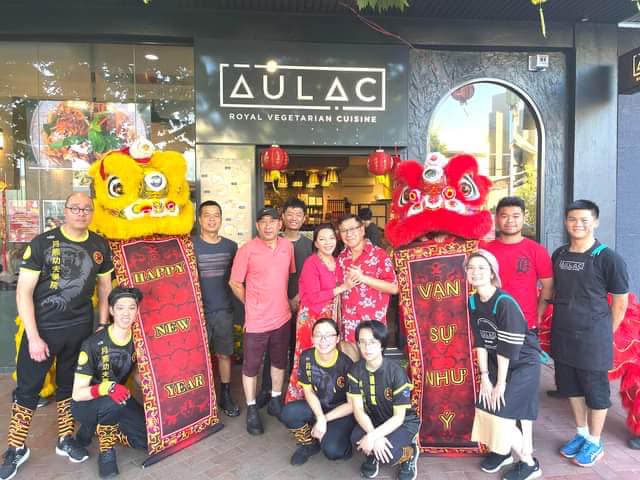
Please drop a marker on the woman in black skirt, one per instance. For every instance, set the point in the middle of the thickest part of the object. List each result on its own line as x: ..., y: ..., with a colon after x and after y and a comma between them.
x: 508, y: 358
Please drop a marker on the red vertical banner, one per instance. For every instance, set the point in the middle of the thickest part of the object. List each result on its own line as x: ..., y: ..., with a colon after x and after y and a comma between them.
x: 433, y: 301
x: 171, y: 341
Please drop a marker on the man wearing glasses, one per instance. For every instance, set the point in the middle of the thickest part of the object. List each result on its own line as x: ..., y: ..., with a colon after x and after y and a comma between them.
x: 370, y: 269
x: 59, y: 271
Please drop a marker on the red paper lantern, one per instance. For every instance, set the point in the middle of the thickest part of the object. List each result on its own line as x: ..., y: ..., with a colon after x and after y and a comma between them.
x: 274, y: 158
x: 463, y: 94
x: 380, y: 162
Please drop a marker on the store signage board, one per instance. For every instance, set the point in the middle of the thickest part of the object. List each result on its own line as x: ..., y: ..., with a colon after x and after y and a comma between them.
x: 301, y: 94
x: 629, y: 72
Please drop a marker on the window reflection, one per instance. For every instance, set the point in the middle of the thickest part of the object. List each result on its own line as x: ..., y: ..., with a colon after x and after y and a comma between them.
x: 499, y: 128
x: 53, y: 94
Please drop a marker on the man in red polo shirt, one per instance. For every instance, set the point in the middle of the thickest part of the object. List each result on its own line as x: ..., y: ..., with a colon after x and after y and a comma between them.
x: 259, y: 278
x: 371, y: 271
x: 523, y: 262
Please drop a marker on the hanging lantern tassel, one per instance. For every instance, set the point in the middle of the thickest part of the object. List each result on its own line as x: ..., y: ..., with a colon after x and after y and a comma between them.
x: 543, y: 26
x: 386, y: 182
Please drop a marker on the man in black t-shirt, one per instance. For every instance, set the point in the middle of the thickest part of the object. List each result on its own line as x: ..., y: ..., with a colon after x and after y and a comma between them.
x: 585, y: 271
x: 59, y: 272
x: 101, y: 400
x: 215, y: 254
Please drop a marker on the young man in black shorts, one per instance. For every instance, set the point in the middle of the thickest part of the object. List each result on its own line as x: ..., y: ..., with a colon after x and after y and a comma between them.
x: 59, y: 272
x: 585, y: 271
x: 101, y: 400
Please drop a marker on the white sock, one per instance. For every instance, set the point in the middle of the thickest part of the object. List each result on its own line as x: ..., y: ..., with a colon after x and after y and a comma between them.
x: 250, y: 402
x: 275, y: 394
x: 583, y: 431
x: 594, y: 440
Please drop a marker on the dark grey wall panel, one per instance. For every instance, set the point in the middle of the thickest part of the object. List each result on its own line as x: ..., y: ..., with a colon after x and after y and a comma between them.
x: 435, y: 73
x: 628, y: 194
x: 595, y: 151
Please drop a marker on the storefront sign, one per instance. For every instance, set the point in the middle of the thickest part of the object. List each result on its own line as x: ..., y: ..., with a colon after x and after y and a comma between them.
x: 301, y: 94
x: 629, y: 72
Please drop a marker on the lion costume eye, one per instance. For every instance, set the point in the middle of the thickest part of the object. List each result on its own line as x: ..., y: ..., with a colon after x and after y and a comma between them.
x: 409, y: 195
x: 155, y: 181
x: 432, y: 174
x: 114, y: 187
x: 468, y: 188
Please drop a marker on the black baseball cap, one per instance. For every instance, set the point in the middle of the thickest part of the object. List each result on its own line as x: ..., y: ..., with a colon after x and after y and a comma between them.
x: 264, y: 211
x: 123, y: 292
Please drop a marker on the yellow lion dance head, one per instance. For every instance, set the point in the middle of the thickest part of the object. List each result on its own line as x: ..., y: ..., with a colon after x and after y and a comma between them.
x: 140, y: 192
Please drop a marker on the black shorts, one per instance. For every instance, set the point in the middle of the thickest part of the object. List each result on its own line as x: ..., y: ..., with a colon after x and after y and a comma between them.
x: 593, y: 385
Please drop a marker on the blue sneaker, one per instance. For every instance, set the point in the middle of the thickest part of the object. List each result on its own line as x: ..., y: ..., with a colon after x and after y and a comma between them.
x: 573, y: 446
x: 589, y: 454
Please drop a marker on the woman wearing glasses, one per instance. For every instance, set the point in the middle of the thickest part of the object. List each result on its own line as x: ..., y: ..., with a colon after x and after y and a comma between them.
x: 318, y: 294
x: 508, y: 359
x: 379, y: 391
x: 323, y: 420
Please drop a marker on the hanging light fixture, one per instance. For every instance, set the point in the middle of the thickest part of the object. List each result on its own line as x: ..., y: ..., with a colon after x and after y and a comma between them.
x: 1, y: 139
x: 324, y: 180
x: 313, y: 181
x: 284, y: 180
x: 332, y: 176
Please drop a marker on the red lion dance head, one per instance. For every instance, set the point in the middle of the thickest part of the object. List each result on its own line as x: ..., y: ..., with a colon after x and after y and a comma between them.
x: 441, y: 196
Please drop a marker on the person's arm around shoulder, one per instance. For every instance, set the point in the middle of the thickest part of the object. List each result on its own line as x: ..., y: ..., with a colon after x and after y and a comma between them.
x: 544, y: 271
x: 104, y: 288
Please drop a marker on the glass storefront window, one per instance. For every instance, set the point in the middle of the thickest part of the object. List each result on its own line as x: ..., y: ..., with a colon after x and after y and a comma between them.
x: 497, y: 125
x: 64, y: 105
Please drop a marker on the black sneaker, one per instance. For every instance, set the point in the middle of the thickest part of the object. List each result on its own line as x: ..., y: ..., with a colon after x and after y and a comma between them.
x: 522, y: 471
x: 227, y: 405
x: 84, y: 435
x: 370, y: 467
x: 68, y: 447
x: 409, y: 468
x: 262, y: 399
x: 43, y: 401
x: 254, y: 424
x: 13, y: 458
x: 304, y: 452
x: 494, y: 462
x: 107, y: 464
x: 274, y: 408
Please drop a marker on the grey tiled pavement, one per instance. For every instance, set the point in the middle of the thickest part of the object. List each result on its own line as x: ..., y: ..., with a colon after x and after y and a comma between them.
x: 233, y: 454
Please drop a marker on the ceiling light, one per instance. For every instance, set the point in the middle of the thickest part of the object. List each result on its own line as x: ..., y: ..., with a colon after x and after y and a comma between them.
x: 152, y: 56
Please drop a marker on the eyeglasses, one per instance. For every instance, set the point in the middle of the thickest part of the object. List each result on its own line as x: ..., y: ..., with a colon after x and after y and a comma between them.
x: 369, y: 344
x: 322, y: 338
x: 78, y: 210
x: 347, y: 231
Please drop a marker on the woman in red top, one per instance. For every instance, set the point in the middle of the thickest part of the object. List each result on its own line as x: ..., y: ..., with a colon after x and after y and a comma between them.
x: 318, y: 292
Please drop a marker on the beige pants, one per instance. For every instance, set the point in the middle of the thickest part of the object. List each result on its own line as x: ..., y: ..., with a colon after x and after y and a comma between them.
x: 493, y: 431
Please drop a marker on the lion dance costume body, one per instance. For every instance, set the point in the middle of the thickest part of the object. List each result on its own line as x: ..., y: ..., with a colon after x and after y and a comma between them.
x: 437, y: 219
x: 143, y: 207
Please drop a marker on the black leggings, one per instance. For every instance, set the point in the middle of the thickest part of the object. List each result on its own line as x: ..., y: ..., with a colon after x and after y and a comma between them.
x: 401, y: 437
x: 104, y: 411
x: 64, y: 345
x: 335, y: 444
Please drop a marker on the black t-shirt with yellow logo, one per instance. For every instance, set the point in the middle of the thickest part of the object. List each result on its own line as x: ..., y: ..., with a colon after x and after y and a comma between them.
x: 383, y: 392
x: 68, y: 269
x: 104, y: 360
x: 329, y: 381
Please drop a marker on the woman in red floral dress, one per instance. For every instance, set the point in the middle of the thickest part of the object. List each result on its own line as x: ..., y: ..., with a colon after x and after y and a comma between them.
x: 318, y: 297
